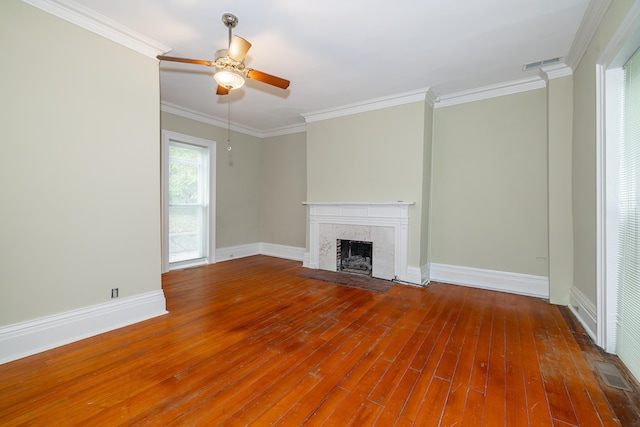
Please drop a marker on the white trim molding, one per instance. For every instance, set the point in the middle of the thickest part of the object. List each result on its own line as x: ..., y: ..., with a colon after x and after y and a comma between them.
x: 203, y: 118
x: 431, y: 97
x: 260, y: 248
x: 588, y: 27
x: 417, y: 276
x: 238, y: 251
x: 90, y: 20
x: 491, y: 91
x: 555, y: 72
x: 423, y: 95
x: 34, y: 336
x: 284, y: 130
x: 503, y: 281
x: 168, y: 107
x: 584, y: 310
x: 282, y: 251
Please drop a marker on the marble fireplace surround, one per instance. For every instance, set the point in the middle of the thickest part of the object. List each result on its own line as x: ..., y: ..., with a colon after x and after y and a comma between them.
x: 385, y: 224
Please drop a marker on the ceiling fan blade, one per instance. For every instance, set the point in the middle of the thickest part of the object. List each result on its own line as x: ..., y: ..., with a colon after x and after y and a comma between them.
x: 222, y: 90
x: 238, y: 48
x: 186, y: 60
x: 268, y: 79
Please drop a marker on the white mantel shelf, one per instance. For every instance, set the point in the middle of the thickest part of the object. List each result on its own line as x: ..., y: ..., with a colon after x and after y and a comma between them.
x: 394, y: 215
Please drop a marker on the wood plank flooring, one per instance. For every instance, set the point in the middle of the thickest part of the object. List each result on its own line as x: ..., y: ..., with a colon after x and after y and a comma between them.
x: 249, y: 342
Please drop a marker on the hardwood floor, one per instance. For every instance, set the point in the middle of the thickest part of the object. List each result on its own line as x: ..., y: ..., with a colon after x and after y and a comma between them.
x: 249, y: 342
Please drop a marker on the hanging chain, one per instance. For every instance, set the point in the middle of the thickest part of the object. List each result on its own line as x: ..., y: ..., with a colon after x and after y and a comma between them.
x: 229, y: 121
x: 229, y: 100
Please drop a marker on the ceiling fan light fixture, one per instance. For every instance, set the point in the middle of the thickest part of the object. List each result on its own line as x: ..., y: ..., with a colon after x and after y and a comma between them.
x: 229, y: 79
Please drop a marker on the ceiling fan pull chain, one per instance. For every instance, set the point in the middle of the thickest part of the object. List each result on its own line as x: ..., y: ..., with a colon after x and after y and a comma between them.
x: 229, y: 121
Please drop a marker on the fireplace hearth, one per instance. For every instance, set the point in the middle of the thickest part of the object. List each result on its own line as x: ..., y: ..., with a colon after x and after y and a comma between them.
x: 355, y: 257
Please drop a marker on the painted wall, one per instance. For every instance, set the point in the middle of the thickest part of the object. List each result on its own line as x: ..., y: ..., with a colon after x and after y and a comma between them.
x: 427, y: 153
x: 283, y: 218
x: 79, y: 167
x: 559, y: 147
x: 238, y: 179
x: 584, y: 152
x: 375, y: 156
x: 489, y: 193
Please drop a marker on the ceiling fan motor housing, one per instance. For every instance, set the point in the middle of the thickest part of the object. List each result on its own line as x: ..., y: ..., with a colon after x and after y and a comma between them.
x: 230, y: 73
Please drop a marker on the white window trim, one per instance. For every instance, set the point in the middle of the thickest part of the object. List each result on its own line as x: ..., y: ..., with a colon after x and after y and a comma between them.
x: 614, y: 56
x: 167, y: 137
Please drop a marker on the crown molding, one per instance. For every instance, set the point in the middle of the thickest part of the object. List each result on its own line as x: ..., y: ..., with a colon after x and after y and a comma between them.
x: 284, y: 130
x: 222, y: 123
x: 431, y: 97
x: 200, y: 117
x: 369, y: 105
x: 555, y: 72
x: 90, y: 20
x: 588, y: 27
x: 624, y: 42
x: 491, y: 91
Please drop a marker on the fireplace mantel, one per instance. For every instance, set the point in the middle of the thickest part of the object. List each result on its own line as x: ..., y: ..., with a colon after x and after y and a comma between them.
x: 368, y: 217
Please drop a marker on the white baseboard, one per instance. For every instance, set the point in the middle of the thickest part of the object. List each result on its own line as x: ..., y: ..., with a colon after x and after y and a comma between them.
x: 515, y: 283
x: 425, y: 274
x: 306, y: 261
x: 31, y: 337
x: 415, y: 276
x: 270, y: 249
x: 584, y: 310
x: 240, y: 251
x: 282, y: 251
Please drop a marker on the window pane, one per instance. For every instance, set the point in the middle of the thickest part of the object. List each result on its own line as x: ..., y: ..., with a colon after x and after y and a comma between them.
x: 184, y: 181
x: 185, y: 233
x: 184, y: 152
x: 188, y: 175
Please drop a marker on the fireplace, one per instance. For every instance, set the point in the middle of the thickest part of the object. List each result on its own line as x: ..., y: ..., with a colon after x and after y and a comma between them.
x: 383, y: 224
x: 354, y: 256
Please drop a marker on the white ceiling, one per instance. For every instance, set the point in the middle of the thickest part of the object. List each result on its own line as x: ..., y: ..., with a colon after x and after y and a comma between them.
x: 338, y: 52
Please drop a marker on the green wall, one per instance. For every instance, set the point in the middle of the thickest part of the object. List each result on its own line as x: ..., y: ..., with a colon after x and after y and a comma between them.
x: 584, y: 152
x: 489, y: 194
x: 260, y: 184
x: 283, y: 218
x: 427, y: 155
x: 559, y: 147
x: 238, y: 179
x: 374, y: 156
x: 79, y: 167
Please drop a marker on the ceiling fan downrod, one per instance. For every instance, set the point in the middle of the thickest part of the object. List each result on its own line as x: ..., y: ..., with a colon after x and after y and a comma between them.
x: 230, y: 21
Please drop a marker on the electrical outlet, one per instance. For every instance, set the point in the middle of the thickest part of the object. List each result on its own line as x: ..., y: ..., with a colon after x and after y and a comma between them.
x: 114, y: 293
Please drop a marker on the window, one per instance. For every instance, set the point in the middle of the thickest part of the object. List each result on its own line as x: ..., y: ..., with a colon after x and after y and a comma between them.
x: 618, y: 183
x: 188, y: 189
x: 628, y: 344
x: 188, y: 202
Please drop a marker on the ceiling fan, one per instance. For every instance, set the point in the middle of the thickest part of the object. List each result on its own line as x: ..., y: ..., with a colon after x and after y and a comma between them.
x: 229, y: 63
